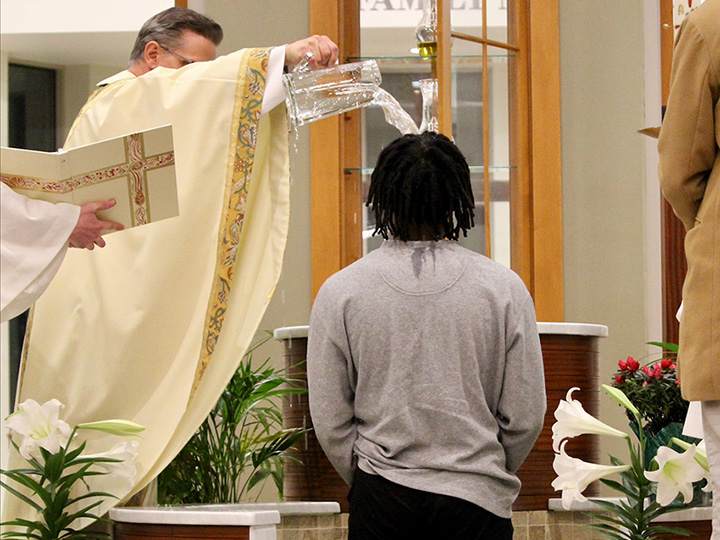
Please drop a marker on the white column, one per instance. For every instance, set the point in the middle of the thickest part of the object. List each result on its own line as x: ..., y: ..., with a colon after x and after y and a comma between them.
x: 4, y: 327
x: 653, y: 197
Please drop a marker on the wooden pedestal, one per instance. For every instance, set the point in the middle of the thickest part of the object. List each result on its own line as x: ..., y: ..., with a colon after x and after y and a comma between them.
x: 570, y: 360
x: 313, y: 478
x: 151, y: 531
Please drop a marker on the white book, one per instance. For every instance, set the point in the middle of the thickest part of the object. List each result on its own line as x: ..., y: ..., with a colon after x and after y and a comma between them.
x: 137, y: 170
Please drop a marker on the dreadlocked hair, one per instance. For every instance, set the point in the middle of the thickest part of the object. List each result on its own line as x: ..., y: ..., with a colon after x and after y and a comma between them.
x: 422, y: 182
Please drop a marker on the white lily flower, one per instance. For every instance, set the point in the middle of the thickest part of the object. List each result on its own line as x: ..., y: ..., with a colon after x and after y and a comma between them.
x: 573, y: 420
x: 700, y: 457
x: 676, y: 474
x: 574, y: 476
x: 124, y: 469
x: 621, y: 399
x: 40, y: 426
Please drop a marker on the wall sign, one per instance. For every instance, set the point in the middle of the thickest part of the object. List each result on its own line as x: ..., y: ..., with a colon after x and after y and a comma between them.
x: 407, y: 13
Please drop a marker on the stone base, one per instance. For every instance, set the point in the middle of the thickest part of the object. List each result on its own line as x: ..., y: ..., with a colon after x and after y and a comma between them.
x: 321, y: 527
x: 537, y: 525
x: 545, y: 525
x: 540, y: 525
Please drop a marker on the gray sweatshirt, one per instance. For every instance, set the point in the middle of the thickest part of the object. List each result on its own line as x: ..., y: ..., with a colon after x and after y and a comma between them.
x: 424, y: 367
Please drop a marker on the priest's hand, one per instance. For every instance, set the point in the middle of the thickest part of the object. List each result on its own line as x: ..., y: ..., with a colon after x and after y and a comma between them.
x: 323, y: 50
x: 87, y: 231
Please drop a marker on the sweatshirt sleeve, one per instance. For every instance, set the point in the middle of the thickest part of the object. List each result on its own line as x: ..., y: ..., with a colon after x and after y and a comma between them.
x: 331, y: 392
x: 686, y: 145
x: 521, y: 409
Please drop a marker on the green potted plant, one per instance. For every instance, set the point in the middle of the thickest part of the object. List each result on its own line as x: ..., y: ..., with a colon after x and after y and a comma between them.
x: 241, y: 442
x: 654, y: 389
x: 649, y: 486
x: 62, y: 486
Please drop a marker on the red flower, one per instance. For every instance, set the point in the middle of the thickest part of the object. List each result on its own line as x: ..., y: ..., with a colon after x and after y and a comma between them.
x: 673, y: 366
x: 666, y: 363
x: 648, y: 371
x: 657, y: 372
x: 677, y: 382
x: 619, y: 379
x: 622, y: 365
x: 632, y: 364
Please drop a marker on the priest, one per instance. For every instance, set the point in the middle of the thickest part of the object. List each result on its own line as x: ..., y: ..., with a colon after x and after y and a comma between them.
x: 152, y: 329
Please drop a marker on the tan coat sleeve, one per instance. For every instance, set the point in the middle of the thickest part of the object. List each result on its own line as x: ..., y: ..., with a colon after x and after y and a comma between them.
x: 687, y: 138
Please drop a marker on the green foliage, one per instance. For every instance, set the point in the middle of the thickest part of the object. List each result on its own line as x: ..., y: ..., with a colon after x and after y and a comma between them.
x: 239, y: 445
x: 47, y: 486
x: 653, y: 388
x: 631, y: 519
x: 655, y: 393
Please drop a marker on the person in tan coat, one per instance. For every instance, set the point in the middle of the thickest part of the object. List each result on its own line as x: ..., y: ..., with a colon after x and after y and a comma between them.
x: 690, y: 179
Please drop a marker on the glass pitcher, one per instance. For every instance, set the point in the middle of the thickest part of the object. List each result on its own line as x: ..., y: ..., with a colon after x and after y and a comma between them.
x: 313, y: 95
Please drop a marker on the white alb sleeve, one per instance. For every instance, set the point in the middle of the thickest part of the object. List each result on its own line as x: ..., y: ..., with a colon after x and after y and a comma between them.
x: 274, y: 93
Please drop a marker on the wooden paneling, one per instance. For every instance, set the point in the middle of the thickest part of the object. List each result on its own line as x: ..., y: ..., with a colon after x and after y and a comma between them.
x: 547, y: 241
x: 336, y: 220
x: 667, y: 38
x: 444, y: 68
x: 150, y: 531
x: 702, y: 530
x: 309, y: 476
x: 674, y: 264
x: 521, y: 244
x: 351, y: 206
x: 535, y: 178
x: 568, y: 361
x: 674, y: 269
x: 325, y: 200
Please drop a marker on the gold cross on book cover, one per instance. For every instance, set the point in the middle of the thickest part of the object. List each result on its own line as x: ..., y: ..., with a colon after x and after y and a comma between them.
x: 137, y: 170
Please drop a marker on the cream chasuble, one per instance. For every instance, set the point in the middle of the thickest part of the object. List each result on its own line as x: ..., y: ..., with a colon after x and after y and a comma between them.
x: 152, y: 327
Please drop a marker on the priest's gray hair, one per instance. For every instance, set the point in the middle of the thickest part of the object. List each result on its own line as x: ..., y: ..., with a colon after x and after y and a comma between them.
x: 167, y: 28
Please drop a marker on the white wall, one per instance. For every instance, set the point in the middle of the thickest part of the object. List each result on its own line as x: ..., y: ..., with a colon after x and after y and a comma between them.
x: 292, y: 301
x: 75, y: 83
x: 290, y: 21
x: 48, y: 16
x: 610, y: 197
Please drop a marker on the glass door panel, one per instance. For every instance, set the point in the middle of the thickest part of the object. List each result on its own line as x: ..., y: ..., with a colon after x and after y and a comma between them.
x: 476, y: 116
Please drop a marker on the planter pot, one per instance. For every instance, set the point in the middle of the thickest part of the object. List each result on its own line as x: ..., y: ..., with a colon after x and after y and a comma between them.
x: 308, y: 474
x: 157, y: 523
x: 212, y: 522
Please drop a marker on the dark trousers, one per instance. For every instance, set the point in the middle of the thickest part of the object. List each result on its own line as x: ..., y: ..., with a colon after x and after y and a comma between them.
x: 382, y: 510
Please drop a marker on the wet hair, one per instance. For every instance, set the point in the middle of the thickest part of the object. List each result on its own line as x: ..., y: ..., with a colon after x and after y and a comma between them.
x: 167, y: 28
x: 422, y: 183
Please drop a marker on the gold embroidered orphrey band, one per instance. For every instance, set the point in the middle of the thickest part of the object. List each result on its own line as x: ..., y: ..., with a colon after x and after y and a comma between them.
x: 246, y: 117
x: 135, y: 167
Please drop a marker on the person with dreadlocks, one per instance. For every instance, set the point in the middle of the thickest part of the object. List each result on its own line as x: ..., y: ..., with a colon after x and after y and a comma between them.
x: 424, y: 366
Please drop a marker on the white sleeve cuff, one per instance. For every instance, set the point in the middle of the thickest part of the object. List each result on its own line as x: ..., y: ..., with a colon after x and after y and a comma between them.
x: 274, y: 93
